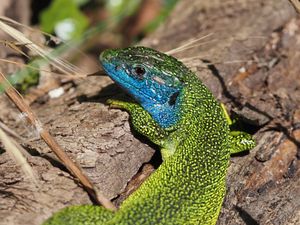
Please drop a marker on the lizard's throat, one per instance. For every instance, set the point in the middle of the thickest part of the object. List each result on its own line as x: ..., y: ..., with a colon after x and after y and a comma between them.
x: 165, y: 110
x: 164, y: 114
x: 163, y: 107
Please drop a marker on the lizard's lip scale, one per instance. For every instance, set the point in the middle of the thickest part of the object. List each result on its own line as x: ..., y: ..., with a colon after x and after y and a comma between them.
x: 102, y: 56
x: 141, y: 92
x: 106, y: 55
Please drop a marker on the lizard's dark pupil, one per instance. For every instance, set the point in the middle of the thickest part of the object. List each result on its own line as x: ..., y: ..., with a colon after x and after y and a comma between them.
x: 139, y: 71
x: 173, y: 98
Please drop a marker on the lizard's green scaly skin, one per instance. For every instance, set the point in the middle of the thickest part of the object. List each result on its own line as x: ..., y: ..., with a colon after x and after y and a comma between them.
x: 189, y: 186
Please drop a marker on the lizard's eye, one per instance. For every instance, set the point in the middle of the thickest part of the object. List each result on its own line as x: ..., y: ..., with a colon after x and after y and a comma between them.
x: 118, y: 67
x: 139, y: 71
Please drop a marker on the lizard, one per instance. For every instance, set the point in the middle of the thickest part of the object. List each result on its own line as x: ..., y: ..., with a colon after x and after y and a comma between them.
x: 177, y: 112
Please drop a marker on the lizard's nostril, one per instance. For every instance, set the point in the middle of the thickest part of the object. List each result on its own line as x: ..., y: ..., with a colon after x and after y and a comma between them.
x: 107, y: 55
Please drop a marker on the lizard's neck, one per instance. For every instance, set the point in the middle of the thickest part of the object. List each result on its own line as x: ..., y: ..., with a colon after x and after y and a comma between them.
x: 166, y: 114
x: 202, y: 121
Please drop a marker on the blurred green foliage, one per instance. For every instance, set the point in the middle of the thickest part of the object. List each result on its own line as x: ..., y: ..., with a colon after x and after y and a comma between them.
x: 65, y: 18
x: 168, y: 5
x: 24, y: 78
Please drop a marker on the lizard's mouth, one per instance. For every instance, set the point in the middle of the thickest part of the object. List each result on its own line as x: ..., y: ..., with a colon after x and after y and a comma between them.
x: 137, y: 93
x: 140, y: 93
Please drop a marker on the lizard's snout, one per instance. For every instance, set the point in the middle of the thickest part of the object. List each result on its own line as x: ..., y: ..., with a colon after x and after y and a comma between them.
x: 107, y: 55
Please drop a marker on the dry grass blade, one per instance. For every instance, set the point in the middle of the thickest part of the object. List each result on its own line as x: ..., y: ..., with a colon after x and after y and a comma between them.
x: 58, y: 63
x: 13, y: 150
x: 10, y: 132
x: 17, y: 99
x: 71, y: 76
x: 189, y: 61
x: 8, y: 20
x: 14, y: 46
x: 296, y: 4
x: 189, y: 44
x: 50, y: 56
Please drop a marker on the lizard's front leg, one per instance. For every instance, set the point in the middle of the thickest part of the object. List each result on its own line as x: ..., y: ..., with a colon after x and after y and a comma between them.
x: 141, y: 121
x: 144, y: 124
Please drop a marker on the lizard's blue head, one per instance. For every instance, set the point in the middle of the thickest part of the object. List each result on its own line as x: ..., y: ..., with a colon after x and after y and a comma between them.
x: 153, y: 79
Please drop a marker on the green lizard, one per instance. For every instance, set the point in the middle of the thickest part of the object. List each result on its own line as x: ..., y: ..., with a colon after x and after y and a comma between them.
x: 176, y: 111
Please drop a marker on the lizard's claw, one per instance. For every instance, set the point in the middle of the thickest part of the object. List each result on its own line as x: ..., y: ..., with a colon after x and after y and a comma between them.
x: 117, y: 104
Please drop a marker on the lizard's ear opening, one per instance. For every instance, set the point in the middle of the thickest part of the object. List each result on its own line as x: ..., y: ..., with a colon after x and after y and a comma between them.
x: 173, y: 98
